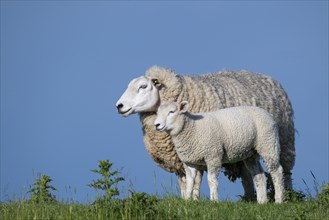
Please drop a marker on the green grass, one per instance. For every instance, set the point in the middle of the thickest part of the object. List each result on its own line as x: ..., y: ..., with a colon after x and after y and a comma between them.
x: 144, y: 206
x: 43, y: 205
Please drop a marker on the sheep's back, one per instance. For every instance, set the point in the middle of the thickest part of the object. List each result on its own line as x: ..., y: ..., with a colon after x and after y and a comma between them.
x: 237, y: 89
x: 211, y: 92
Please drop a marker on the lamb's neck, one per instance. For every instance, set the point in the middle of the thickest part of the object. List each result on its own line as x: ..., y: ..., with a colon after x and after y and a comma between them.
x: 184, y: 138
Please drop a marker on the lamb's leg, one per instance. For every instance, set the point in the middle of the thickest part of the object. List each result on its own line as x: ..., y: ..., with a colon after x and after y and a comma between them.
x: 277, y: 177
x: 276, y: 172
x: 259, y: 178
x: 182, y: 184
x: 271, y: 157
x: 190, y: 177
x: 197, y: 184
x: 213, y: 173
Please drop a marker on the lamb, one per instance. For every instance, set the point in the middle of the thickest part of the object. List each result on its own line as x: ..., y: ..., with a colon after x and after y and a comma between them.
x: 224, y: 136
x: 207, y: 92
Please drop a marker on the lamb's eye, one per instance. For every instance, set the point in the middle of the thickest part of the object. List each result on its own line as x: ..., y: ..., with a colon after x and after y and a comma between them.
x: 171, y: 112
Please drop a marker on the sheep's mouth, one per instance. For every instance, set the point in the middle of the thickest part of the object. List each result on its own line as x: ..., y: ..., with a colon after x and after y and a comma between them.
x: 160, y: 129
x: 125, y: 113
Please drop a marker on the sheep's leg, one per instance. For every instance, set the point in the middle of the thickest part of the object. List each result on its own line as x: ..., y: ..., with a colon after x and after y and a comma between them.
x: 287, y: 160
x: 247, y: 183
x: 197, y: 184
x: 288, y: 180
x: 259, y: 178
x: 182, y: 184
x: 287, y: 153
x: 190, y: 177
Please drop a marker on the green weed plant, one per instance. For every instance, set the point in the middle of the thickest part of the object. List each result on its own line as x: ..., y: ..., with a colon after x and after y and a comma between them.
x: 108, y: 181
x: 41, y: 190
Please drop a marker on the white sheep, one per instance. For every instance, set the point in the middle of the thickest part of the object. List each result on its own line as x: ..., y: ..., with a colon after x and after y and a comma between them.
x: 208, y: 92
x: 224, y: 136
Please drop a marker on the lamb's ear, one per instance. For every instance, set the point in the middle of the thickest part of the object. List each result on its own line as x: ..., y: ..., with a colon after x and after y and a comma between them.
x: 183, y: 106
x: 156, y: 83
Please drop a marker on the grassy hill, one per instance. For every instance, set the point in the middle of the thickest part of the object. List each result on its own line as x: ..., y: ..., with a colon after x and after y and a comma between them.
x: 144, y: 206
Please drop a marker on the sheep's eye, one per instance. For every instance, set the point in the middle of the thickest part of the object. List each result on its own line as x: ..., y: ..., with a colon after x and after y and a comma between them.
x: 142, y: 87
x: 171, y: 112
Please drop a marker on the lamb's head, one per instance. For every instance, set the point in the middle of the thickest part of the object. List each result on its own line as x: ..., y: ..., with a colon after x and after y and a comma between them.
x: 170, y: 117
x: 142, y: 95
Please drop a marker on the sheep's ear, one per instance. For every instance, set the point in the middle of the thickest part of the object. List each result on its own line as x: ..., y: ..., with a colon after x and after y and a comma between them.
x: 183, y: 106
x: 156, y: 82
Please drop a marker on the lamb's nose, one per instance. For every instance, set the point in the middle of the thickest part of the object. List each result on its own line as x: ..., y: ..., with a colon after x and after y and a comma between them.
x: 119, y: 106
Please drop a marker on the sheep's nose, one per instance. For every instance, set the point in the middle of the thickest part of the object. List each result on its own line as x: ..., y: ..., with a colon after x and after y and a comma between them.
x: 119, y: 106
x: 157, y: 126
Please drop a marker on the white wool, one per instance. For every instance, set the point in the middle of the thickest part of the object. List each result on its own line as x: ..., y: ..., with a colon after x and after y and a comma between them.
x: 225, y: 136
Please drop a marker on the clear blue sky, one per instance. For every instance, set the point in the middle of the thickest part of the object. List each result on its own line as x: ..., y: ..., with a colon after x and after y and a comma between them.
x: 65, y: 64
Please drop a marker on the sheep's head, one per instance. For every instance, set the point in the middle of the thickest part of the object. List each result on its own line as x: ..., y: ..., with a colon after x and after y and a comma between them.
x: 168, y: 117
x: 142, y: 95
x: 171, y: 86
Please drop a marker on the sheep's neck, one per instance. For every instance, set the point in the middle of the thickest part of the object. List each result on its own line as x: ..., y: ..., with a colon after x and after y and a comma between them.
x: 147, y: 119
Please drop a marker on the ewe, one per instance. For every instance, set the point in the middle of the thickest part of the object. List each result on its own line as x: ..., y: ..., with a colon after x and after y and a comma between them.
x: 224, y: 136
